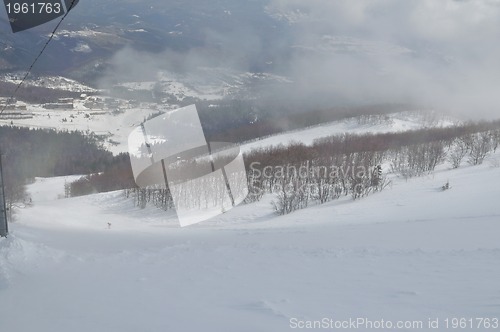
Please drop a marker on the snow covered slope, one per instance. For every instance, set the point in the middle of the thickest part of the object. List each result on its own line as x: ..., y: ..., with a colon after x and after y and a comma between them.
x: 395, y: 122
x: 117, y: 126
x: 49, y: 189
x: 409, y: 253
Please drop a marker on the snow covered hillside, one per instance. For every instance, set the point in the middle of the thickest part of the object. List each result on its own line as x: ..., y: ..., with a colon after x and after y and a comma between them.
x: 410, y: 253
x: 395, y: 122
x: 116, y: 126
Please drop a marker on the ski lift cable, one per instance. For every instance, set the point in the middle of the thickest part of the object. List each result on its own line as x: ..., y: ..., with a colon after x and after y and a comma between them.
x: 39, y: 55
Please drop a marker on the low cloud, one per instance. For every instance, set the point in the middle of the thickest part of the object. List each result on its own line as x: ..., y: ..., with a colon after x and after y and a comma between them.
x: 434, y: 54
x: 440, y: 54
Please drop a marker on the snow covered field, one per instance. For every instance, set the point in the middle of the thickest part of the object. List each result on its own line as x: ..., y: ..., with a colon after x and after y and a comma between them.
x: 118, y: 127
x: 409, y: 253
x: 395, y: 122
x: 115, y: 127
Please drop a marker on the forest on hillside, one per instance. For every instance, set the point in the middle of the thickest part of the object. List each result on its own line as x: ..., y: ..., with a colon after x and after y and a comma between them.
x: 29, y: 153
x: 332, y: 167
x: 35, y: 94
x: 237, y: 121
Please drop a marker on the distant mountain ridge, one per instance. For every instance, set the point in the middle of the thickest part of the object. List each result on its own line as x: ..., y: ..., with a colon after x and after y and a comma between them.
x: 95, y: 30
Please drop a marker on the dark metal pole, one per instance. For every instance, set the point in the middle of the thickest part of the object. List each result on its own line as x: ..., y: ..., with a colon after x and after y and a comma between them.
x: 4, y: 227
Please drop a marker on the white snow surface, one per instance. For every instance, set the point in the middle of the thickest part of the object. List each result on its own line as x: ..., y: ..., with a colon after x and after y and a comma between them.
x: 395, y: 122
x: 49, y: 189
x: 411, y: 252
x: 52, y: 82
x: 117, y: 127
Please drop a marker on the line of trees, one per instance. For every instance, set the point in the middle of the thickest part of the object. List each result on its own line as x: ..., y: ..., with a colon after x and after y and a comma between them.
x: 351, y: 164
x: 300, y: 175
x: 342, y: 165
x: 115, y: 175
x: 29, y: 153
x: 234, y: 120
x: 35, y: 94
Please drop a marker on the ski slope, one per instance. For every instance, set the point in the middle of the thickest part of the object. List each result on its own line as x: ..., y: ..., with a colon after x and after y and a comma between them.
x: 395, y: 122
x: 117, y: 127
x: 409, y: 253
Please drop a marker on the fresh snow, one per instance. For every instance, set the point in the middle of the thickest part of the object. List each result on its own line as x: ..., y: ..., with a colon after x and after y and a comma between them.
x: 411, y: 252
x: 117, y: 127
x: 49, y: 189
x: 396, y: 122
x: 52, y: 82
x: 86, y: 33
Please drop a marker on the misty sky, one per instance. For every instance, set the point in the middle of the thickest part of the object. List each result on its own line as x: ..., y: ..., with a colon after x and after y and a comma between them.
x: 442, y: 54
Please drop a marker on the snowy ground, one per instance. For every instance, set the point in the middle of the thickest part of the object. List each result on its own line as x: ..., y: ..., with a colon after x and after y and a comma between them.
x: 51, y: 82
x: 50, y: 189
x: 412, y: 252
x: 395, y: 122
x: 118, y: 127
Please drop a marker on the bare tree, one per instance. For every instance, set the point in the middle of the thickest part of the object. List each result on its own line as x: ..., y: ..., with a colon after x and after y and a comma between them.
x: 480, y: 147
x: 458, y: 151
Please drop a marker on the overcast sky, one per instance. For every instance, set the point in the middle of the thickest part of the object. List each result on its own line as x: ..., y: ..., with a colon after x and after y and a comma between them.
x: 441, y: 53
